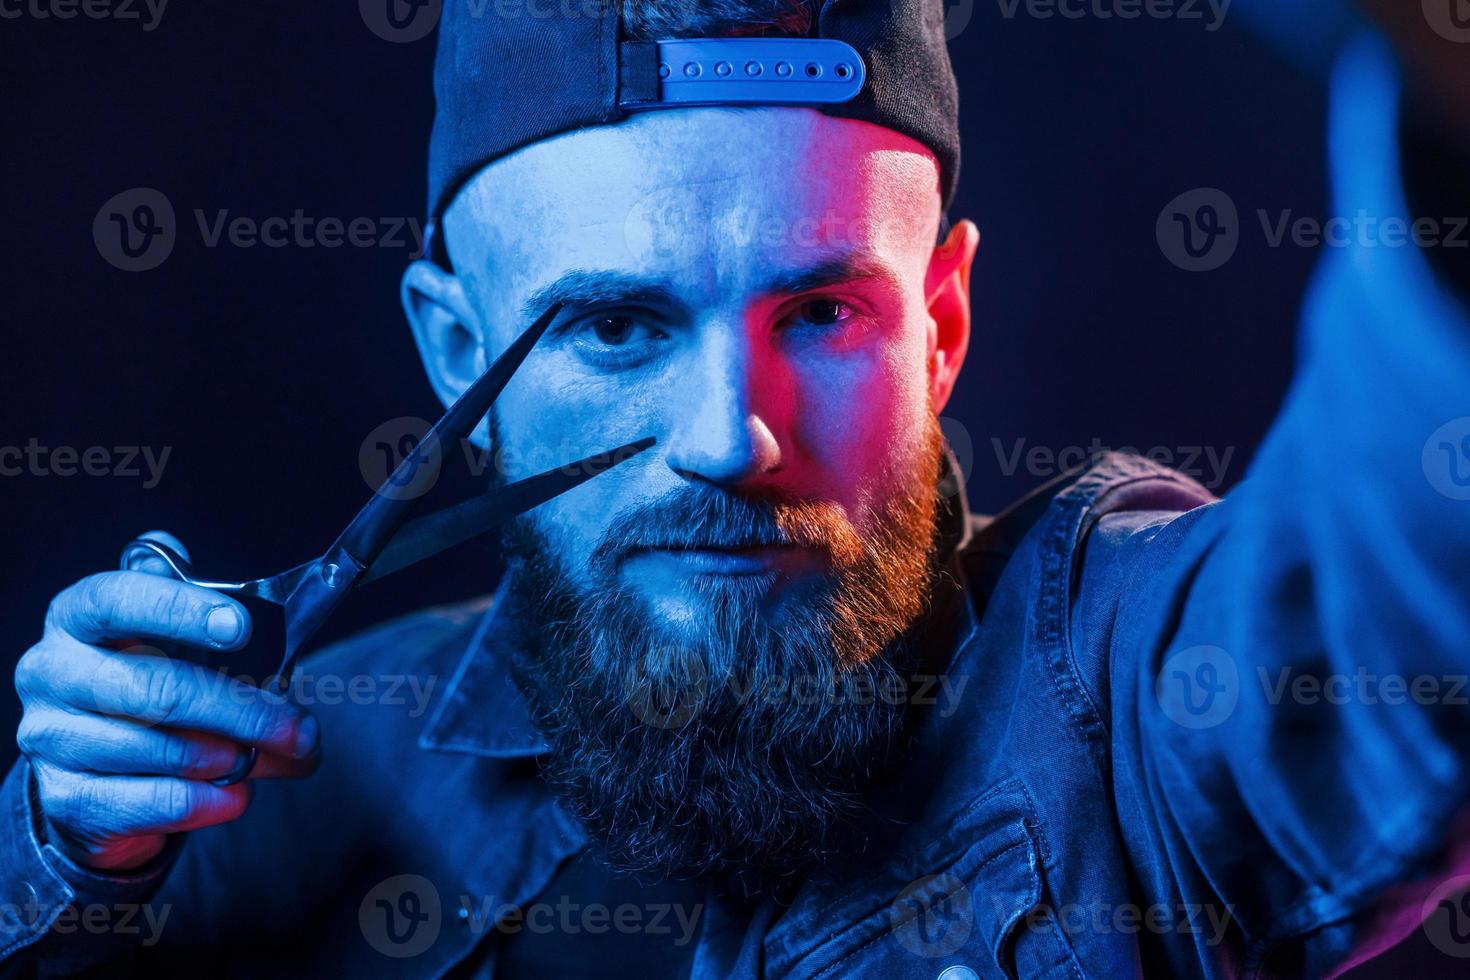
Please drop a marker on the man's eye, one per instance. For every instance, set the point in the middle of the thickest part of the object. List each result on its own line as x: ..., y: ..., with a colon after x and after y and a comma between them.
x: 613, y: 330
x: 824, y: 312
x: 609, y: 340
x: 616, y: 330
x: 831, y: 324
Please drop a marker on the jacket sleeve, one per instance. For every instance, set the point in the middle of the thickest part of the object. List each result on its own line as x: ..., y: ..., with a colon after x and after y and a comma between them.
x: 57, y: 917
x: 1290, y: 682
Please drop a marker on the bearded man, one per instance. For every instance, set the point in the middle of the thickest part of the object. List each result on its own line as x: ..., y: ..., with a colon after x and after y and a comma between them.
x: 766, y: 700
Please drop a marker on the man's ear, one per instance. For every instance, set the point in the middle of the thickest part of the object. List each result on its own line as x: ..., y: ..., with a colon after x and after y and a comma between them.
x: 947, y: 295
x: 447, y: 332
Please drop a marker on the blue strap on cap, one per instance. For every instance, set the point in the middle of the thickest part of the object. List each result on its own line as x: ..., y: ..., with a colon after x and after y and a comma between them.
x: 686, y: 72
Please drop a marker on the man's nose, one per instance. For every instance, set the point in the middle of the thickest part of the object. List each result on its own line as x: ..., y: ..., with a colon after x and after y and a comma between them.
x: 727, y: 417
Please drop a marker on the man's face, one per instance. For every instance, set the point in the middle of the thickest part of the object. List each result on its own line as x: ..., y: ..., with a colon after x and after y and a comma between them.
x: 759, y: 290
x: 747, y: 286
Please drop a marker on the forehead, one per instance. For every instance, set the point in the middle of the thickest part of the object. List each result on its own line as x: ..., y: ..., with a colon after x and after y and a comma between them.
x: 709, y: 200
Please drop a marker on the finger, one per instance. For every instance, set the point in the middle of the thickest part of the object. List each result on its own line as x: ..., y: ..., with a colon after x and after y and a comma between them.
x: 266, y: 765
x: 94, y: 743
x: 95, y: 808
x: 151, y: 564
x: 115, y: 746
x: 154, y: 690
x: 271, y: 766
x: 124, y: 605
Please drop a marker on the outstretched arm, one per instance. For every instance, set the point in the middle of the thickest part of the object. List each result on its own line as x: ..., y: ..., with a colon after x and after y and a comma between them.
x: 1300, y: 676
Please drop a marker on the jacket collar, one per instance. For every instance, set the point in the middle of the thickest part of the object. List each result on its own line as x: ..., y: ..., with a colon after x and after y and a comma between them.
x: 482, y: 711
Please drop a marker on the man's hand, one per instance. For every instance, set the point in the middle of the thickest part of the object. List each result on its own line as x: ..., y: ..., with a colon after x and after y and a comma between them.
x: 123, y: 740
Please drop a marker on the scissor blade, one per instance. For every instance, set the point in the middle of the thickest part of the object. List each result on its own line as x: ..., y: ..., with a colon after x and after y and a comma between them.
x: 278, y: 588
x: 376, y: 523
x: 430, y: 535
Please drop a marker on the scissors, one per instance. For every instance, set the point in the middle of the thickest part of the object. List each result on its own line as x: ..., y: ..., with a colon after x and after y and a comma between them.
x: 380, y: 539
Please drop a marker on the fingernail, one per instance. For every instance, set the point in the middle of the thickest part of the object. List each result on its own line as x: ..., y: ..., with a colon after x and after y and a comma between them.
x: 243, y: 764
x: 306, y: 737
x: 223, y: 625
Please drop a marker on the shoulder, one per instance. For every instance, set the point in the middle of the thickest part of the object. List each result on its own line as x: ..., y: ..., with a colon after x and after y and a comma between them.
x: 1063, y: 559
x: 1106, y: 502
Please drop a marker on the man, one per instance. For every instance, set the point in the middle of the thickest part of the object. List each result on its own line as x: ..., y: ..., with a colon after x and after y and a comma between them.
x: 765, y: 700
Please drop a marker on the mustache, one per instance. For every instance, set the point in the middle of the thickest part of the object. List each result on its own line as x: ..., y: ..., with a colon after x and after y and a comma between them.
x: 709, y: 518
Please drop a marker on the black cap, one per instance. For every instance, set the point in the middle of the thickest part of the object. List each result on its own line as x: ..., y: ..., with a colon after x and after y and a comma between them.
x: 511, y: 73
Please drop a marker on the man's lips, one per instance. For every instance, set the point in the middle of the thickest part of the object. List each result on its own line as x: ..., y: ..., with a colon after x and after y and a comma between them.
x: 751, y: 559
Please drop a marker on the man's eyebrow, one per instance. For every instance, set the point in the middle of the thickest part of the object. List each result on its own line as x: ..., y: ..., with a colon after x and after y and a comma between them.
x: 855, y: 267
x: 593, y: 287
x: 590, y: 287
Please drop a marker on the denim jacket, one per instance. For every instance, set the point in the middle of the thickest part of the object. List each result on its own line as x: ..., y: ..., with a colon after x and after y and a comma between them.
x: 1121, y: 769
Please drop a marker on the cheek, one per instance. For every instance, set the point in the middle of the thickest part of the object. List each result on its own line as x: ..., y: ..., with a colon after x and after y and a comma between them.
x: 545, y: 422
x: 861, y: 418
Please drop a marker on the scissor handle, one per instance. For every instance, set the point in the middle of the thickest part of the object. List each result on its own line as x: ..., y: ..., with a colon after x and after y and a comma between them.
x: 177, y: 564
x: 180, y: 569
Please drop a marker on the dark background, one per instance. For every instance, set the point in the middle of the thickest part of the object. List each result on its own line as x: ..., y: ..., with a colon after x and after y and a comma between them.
x: 262, y: 370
